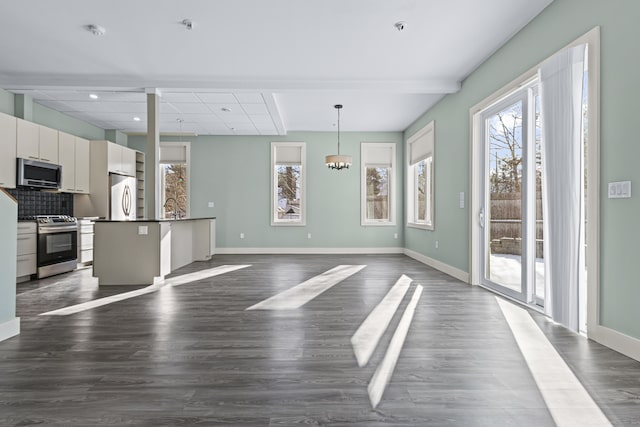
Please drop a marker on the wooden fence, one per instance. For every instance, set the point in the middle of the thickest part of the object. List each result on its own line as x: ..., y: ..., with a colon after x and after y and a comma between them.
x: 505, y: 217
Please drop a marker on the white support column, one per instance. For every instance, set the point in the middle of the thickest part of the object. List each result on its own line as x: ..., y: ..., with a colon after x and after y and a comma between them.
x: 152, y: 191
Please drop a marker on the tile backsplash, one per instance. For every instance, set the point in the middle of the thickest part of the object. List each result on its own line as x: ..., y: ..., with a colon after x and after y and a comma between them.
x: 41, y: 202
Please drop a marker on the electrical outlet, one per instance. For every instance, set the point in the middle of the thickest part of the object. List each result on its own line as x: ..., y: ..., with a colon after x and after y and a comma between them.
x: 308, y: 235
x: 462, y: 200
x: 242, y: 235
x: 143, y: 230
x: 437, y: 244
x: 395, y: 235
x: 210, y: 204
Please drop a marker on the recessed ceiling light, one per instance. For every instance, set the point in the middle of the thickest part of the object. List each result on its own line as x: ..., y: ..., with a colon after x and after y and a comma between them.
x: 93, y: 96
x: 226, y: 109
x: 136, y: 119
x: 96, y: 30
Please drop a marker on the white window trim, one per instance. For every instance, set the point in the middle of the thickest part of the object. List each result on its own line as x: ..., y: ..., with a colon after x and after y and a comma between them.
x: 187, y: 146
x: 363, y: 186
x: 274, y: 185
x: 410, y: 183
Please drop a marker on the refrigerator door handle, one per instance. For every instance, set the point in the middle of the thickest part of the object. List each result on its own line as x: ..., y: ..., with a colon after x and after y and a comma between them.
x: 126, y: 200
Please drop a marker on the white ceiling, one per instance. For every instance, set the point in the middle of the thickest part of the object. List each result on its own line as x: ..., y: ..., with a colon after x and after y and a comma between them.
x: 278, y: 65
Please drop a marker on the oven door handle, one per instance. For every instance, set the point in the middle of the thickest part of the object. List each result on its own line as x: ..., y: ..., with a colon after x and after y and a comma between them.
x: 57, y: 229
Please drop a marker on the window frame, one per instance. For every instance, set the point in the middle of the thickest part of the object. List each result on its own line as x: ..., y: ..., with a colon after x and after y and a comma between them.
x: 274, y: 186
x: 391, y: 221
x: 161, y: 179
x: 427, y: 131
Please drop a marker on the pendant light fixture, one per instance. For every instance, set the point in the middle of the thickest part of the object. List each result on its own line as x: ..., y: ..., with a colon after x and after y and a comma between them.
x: 337, y: 161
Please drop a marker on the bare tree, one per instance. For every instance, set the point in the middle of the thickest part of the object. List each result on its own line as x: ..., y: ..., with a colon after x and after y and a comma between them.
x: 505, y: 136
x: 176, y: 188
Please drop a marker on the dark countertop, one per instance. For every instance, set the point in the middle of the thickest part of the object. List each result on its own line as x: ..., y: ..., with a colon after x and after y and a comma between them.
x: 157, y: 220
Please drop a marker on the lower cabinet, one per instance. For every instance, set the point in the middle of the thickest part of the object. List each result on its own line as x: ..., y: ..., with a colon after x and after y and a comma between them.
x: 85, y: 241
x: 27, y: 251
x: 204, y: 242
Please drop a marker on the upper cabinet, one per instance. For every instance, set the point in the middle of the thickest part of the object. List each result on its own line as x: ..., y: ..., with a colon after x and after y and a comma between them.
x: 74, y: 157
x: 121, y: 160
x: 48, y: 145
x: 67, y: 159
x: 28, y: 134
x: 83, y: 165
x: 8, y: 150
x: 36, y: 142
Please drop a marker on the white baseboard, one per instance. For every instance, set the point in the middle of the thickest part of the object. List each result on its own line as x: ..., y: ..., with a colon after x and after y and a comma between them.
x: 438, y: 265
x: 316, y: 251
x: 615, y: 340
x: 9, y: 329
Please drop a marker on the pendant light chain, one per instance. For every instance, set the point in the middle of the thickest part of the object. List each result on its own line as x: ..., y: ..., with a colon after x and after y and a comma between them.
x: 338, y: 108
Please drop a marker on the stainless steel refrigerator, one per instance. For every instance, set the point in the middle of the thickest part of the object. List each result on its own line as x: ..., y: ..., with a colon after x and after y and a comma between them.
x: 122, y: 201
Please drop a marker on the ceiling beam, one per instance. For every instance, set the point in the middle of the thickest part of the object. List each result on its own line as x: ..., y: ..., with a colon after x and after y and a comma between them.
x: 106, y: 83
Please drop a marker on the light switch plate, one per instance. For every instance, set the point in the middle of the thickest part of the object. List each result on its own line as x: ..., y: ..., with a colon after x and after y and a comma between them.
x: 210, y: 204
x: 143, y: 230
x: 619, y: 190
x: 462, y: 200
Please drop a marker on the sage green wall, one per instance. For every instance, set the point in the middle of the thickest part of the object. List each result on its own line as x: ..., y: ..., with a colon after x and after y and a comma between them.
x: 559, y: 24
x: 116, y: 136
x: 7, y: 102
x: 234, y: 173
x: 56, y: 120
x: 8, y: 250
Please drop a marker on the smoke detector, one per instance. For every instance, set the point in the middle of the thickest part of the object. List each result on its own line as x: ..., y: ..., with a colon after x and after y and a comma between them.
x: 96, y: 30
x: 188, y: 24
x: 400, y: 26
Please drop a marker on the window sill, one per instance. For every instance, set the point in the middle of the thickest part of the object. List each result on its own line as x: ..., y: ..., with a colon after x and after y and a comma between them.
x: 378, y: 224
x: 428, y: 227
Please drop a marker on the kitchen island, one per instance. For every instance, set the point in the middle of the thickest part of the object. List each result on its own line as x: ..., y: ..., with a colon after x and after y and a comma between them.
x: 144, y: 251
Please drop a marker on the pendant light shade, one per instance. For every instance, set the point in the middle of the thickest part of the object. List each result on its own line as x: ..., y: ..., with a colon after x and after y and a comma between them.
x: 338, y: 161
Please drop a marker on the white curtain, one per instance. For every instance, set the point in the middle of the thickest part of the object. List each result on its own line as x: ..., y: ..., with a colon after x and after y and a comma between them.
x: 561, y: 83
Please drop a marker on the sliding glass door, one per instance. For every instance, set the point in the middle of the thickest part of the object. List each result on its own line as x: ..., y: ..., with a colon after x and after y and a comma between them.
x: 511, y: 214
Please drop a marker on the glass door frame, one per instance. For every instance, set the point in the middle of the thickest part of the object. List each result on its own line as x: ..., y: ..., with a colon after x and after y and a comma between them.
x: 525, y: 95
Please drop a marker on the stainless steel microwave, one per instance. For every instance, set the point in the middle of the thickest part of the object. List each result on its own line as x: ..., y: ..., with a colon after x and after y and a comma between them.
x: 32, y: 173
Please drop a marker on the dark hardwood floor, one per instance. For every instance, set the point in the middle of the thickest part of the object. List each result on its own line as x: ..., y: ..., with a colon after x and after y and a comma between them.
x: 192, y: 355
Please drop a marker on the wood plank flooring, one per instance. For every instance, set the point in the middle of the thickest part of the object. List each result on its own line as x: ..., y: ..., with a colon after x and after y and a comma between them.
x: 193, y: 355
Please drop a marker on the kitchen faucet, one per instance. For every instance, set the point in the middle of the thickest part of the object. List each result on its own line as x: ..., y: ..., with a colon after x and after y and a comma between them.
x: 175, y: 206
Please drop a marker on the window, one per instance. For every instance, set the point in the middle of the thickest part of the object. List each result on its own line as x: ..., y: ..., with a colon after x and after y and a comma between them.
x: 287, y: 183
x: 378, y: 179
x: 174, y: 179
x: 420, y: 187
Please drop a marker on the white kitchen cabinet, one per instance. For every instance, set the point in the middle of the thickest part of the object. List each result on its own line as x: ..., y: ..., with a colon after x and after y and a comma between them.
x: 114, y: 157
x: 74, y: 157
x: 67, y: 159
x: 128, y: 161
x: 85, y: 240
x: 121, y: 160
x: 26, y: 251
x: 83, y: 165
x: 36, y: 142
x: 28, y: 140
x: 8, y: 149
x: 204, y: 240
x: 48, y: 145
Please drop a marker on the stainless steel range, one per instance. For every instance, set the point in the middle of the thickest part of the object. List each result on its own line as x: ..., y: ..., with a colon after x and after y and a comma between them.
x: 57, y: 244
